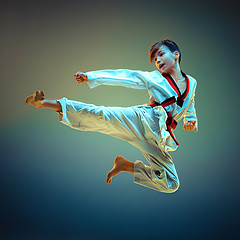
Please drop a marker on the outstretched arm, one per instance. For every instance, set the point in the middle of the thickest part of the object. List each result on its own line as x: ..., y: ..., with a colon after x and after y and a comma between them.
x: 121, y: 77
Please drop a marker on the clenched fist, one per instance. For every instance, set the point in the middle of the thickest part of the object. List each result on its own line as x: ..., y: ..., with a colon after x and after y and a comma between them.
x: 81, y: 77
x: 189, y: 126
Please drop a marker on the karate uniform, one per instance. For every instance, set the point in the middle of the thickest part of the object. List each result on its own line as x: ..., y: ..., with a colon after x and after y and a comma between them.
x: 142, y: 126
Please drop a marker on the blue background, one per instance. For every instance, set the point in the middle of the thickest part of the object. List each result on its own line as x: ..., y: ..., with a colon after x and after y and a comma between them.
x: 52, y: 178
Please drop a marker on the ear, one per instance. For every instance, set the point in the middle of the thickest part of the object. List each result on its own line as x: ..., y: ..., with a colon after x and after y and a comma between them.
x: 176, y: 53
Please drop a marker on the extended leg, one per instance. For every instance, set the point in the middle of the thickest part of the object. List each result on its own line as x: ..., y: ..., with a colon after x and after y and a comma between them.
x: 37, y: 100
x: 137, y: 125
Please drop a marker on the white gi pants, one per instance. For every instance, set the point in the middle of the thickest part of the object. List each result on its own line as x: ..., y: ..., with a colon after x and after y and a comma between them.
x: 138, y: 125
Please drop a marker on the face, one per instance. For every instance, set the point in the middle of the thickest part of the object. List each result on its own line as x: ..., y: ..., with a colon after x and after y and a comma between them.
x: 165, y: 60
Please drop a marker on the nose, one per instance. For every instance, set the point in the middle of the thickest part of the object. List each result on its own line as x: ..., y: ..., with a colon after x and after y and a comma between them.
x: 158, y: 59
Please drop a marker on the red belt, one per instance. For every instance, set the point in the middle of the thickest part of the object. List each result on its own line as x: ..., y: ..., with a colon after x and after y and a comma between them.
x: 171, y: 123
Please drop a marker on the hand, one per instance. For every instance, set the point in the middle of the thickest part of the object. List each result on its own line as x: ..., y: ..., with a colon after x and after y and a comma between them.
x: 81, y: 77
x: 189, y: 126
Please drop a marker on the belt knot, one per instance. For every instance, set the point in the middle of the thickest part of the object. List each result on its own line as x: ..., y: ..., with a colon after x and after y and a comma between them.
x: 170, y: 121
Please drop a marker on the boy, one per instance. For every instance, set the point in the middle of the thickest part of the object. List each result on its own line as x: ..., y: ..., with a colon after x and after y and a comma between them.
x: 149, y: 128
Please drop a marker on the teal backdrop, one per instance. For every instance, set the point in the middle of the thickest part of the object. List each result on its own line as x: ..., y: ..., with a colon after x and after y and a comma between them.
x: 52, y: 178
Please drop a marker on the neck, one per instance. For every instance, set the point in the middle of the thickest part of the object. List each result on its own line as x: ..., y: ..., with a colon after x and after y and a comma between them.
x: 176, y: 73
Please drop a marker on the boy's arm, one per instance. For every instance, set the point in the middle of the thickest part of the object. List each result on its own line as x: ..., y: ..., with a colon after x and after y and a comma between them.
x: 121, y: 77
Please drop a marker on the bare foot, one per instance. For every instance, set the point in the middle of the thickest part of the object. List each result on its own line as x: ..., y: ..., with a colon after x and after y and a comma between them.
x: 35, y: 98
x: 121, y: 164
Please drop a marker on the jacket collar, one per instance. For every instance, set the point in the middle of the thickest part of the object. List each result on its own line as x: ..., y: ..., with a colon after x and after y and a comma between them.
x: 174, y: 86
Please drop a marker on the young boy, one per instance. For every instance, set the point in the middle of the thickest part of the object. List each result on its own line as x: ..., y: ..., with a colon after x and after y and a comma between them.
x: 149, y: 128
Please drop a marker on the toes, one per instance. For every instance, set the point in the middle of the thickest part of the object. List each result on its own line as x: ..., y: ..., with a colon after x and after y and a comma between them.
x: 109, y: 178
x: 27, y: 100
x: 39, y: 95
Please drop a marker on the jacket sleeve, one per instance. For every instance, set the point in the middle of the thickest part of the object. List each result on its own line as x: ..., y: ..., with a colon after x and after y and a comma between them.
x: 191, y: 113
x: 121, y: 77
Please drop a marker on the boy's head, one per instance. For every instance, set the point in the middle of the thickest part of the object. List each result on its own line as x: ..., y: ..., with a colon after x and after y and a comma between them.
x: 171, y: 45
x: 166, y: 55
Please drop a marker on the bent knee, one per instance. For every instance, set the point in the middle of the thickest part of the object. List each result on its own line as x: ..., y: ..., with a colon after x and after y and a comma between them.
x: 167, y: 184
x: 174, y: 188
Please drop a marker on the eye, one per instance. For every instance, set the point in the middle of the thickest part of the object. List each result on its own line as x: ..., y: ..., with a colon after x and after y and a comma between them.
x: 155, y: 59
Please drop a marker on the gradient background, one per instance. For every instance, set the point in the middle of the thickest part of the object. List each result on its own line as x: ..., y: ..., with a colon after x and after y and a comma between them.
x: 52, y: 178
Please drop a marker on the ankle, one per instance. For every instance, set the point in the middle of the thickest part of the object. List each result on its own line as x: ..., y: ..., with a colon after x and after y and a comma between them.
x: 37, y: 105
x: 129, y: 167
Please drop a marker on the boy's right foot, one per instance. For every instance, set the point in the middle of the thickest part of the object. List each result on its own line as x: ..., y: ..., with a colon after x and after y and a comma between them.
x: 35, y: 98
x: 121, y: 164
